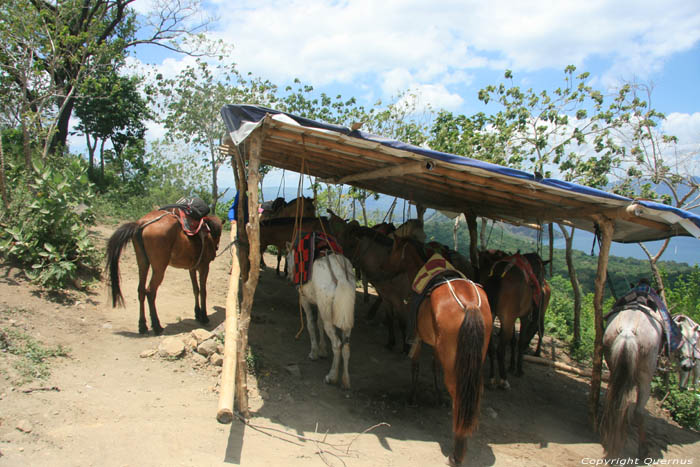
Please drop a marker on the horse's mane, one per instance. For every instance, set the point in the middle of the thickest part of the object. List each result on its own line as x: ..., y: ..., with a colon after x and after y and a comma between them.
x: 372, y: 234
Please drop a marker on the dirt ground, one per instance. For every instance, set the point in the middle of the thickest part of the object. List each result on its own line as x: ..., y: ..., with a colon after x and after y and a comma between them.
x: 106, y: 405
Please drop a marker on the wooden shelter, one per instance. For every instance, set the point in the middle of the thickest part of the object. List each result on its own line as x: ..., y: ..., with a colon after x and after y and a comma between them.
x: 432, y: 179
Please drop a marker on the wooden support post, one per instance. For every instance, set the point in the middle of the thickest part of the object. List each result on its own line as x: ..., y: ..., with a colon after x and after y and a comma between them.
x: 228, y: 371
x: 606, y: 229
x: 251, y: 283
x: 473, y: 239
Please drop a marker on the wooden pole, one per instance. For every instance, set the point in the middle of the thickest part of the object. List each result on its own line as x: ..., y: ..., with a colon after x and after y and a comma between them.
x: 251, y: 283
x: 228, y: 371
x: 473, y: 239
x: 606, y: 229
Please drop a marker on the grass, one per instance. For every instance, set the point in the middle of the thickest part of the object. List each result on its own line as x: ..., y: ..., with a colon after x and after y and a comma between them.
x: 30, y: 358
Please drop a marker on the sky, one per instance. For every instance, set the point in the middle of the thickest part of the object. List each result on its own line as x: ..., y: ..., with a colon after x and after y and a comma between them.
x: 448, y: 50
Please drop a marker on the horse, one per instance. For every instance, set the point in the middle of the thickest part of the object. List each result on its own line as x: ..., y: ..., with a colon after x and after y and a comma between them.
x: 278, y: 231
x: 331, y: 288
x: 689, y: 352
x: 368, y: 249
x: 456, y: 321
x: 160, y: 241
x: 516, y: 289
x: 631, y: 344
x: 279, y: 208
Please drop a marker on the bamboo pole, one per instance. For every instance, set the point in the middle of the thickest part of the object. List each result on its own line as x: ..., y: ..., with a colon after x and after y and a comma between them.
x: 228, y: 371
x: 606, y: 228
x: 563, y: 366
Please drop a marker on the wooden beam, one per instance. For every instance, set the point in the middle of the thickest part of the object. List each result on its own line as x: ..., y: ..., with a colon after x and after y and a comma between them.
x: 385, y: 172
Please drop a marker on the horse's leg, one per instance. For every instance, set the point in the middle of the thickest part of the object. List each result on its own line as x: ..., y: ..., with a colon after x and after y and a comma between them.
x: 372, y: 312
x: 436, y: 386
x: 336, y: 344
x: 507, y: 330
x: 203, y: 274
x: 389, y: 323
x: 310, y: 326
x: 492, y: 349
x: 151, y: 291
x: 195, y: 291
x: 528, y: 328
x: 643, y: 392
x: 143, y: 275
x: 513, y: 345
x: 346, y: 359
x: 414, y: 353
x: 279, y: 260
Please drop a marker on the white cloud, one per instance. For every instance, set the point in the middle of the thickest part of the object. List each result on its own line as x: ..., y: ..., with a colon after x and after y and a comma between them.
x: 684, y: 126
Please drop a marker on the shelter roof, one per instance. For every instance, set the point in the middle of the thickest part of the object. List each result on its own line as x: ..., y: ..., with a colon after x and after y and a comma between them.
x: 446, y: 182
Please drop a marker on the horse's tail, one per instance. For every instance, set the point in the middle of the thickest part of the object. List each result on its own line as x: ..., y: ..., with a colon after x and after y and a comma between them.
x: 468, y: 369
x: 344, y: 297
x: 115, y: 245
x: 623, y: 369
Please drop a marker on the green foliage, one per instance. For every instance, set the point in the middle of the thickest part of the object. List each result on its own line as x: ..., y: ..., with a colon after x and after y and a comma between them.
x: 46, y: 231
x: 684, y: 296
x: 684, y: 406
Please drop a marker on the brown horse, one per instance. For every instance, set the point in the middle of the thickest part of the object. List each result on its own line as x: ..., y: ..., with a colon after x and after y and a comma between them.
x: 456, y: 321
x: 160, y: 241
x: 516, y: 289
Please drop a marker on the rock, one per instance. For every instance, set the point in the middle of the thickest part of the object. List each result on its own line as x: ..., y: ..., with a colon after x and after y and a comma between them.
x: 207, y: 347
x: 171, y: 347
x: 199, y: 359
x: 491, y: 413
x: 148, y: 353
x: 293, y: 369
x: 201, y: 335
x: 216, y: 359
x: 24, y: 426
x: 191, y: 344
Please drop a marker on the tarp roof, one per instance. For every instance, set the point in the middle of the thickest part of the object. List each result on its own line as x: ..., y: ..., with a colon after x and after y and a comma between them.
x: 446, y: 182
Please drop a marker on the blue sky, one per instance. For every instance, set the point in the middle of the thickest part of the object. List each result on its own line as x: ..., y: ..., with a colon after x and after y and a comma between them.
x: 448, y: 50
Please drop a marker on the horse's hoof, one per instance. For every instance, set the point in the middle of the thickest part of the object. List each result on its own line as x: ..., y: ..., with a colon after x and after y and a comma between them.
x: 158, y: 331
x: 143, y: 330
x: 313, y: 356
x: 505, y: 385
x: 452, y: 462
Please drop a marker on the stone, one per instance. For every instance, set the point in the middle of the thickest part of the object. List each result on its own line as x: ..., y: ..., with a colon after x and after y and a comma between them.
x: 24, y: 426
x: 201, y: 335
x: 148, y: 353
x: 207, y: 347
x: 171, y: 347
x: 216, y: 359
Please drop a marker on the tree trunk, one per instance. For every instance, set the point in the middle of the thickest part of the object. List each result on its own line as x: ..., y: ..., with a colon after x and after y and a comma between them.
x: 569, y: 237
x: 3, y: 185
x: 482, y: 232
x: 653, y: 263
x: 454, y: 233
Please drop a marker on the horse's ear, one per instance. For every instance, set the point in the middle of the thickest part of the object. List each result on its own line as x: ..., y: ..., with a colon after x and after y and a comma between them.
x: 289, y: 245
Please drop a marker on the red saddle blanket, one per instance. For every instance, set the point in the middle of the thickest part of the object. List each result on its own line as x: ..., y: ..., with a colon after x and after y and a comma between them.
x: 310, y: 246
x: 190, y: 225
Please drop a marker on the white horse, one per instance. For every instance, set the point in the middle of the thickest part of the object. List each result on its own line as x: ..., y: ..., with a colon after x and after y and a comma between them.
x: 689, y: 352
x: 332, y: 289
x: 631, y: 346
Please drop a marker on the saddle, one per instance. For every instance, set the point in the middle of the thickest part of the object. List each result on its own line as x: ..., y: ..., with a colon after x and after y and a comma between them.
x: 309, y: 246
x: 191, y: 213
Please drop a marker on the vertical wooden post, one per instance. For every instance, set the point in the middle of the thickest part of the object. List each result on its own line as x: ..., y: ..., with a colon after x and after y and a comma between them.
x: 251, y: 283
x: 606, y: 229
x: 473, y: 239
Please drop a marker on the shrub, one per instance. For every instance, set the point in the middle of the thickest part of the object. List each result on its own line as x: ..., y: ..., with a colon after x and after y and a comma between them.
x: 46, y: 231
x: 684, y: 406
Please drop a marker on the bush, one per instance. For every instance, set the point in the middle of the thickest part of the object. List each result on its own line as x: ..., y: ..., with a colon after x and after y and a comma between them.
x: 684, y: 406
x: 46, y: 231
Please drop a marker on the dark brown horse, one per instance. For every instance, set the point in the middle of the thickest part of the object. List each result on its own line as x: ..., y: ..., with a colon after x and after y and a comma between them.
x: 456, y: 321
x: 282, y: 209
x: 160, y: 241
x: 516, y: 289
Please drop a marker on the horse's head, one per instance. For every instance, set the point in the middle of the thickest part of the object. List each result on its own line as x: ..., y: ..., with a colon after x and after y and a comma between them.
x: 215, y: 228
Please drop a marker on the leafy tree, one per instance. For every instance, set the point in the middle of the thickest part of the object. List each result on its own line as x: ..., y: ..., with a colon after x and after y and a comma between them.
x: 112, y: 108
x: 47, y: 49
x: 191, y: 108
x: 655, y: 166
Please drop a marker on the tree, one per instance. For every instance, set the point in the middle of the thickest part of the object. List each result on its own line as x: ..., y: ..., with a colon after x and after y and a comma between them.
x: 47, y: 48
x: 111, y: 108
x: 191, y: 105
x: 655, y: 167
x: 569, y: 130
